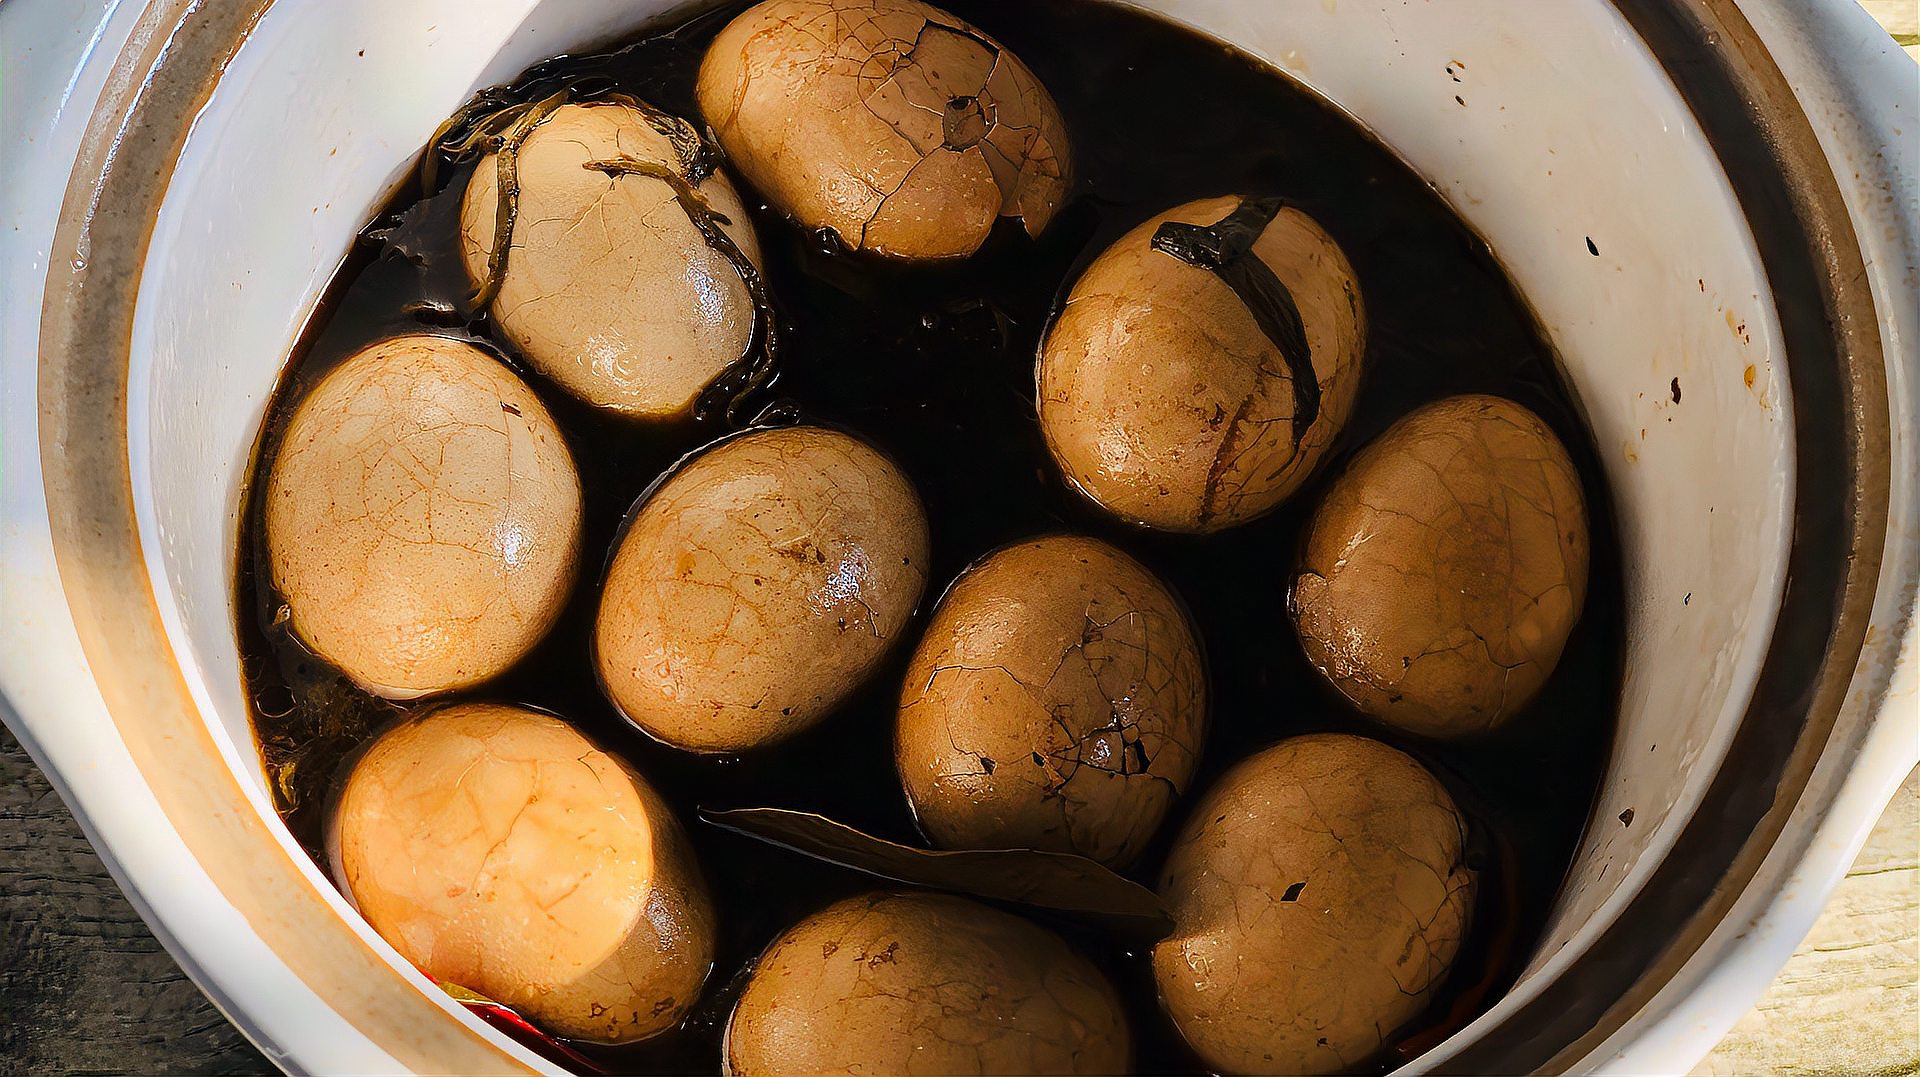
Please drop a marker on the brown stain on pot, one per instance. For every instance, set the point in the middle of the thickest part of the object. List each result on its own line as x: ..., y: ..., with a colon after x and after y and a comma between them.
x: 1754, y: 122
x: 163, y: 78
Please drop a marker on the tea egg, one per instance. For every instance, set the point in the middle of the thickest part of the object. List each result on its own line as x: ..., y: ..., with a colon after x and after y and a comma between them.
x: 923, y: 983
x: 1319, y: 893
x: 1446, y: 568
x: 1057, y: 701
x: 499, y: 850
x: 609, y: 287
x: 1170, y: 400
x: 896, y: 125
x: 422, y: 517
x: 758, y: 586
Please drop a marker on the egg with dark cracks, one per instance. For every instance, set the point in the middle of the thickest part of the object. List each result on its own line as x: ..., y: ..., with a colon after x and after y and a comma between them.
x: 422, y: 517
x: 1446, y: 567
x: 501, y: 851
x: 758, y: 586
x: 1319, y: 893
x: 1056, y: 701
x: 629, y: 272
x: 1203, y: 364
x: 923, y: 983
x: 897, y: 126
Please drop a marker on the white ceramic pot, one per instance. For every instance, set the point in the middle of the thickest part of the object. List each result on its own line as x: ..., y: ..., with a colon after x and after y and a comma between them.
x: 182, y: 179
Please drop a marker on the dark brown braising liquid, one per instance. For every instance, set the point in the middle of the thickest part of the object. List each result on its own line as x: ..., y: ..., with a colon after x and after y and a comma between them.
x: 936, y: 367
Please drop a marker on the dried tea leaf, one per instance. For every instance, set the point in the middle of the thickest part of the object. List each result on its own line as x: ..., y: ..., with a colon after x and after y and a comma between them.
x: 754, y: 369
x: 1059, y: 882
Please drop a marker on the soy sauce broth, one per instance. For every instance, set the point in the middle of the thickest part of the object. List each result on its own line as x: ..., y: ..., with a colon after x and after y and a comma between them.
x: 935, y: 366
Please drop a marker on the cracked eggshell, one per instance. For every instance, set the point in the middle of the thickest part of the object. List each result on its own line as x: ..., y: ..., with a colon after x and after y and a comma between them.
x: 758, y: 586
x: 1162, y: 399
x: 895, y: 124
x: 1057, y: 701
x: 1319, y: 895
x: 498, y: 849
x: 422, y: 517
x: 1446, y: 568
x: 924, y: 983
x: 610, y: 289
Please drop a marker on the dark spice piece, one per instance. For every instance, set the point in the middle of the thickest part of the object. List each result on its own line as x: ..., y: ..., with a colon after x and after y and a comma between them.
x: 1224, y: 248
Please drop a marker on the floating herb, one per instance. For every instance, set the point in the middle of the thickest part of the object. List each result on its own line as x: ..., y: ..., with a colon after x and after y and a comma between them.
x: 498, y: 121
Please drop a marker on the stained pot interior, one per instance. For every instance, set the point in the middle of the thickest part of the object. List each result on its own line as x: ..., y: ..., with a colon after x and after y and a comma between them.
x: 1549, y: 128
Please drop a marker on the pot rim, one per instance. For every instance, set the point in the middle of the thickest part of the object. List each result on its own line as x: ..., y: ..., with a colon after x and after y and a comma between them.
x: 1837, y: 377
x: 1772, y: 154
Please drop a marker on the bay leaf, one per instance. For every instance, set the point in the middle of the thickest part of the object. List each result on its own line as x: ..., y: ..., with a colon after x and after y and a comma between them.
x: 1057, y: 882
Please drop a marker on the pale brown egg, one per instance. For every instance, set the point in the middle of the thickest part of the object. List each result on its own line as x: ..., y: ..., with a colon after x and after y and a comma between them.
x: 1445, y: 570
x: 1172, y: 399
x: 498, y: 849
x: 760, y: 585
x: 1319, y: 893
x: 422, y: 517
x: 900, y: 127
x: 1057, y: 701
x: 609, y: 287
x: 921, y: 983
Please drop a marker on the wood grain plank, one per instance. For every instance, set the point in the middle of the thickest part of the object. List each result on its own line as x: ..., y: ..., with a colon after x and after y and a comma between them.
x: 1849, y: 999
x: 84, y: 987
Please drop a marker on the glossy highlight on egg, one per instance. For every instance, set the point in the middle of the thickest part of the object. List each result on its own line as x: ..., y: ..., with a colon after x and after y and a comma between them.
x: 501, y: 851
x: 422, y: 517
x: 759, y: 585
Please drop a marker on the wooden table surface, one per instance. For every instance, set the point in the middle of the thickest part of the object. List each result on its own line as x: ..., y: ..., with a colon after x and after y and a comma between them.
x: 84, y: 988
x: 1849, y: 1000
